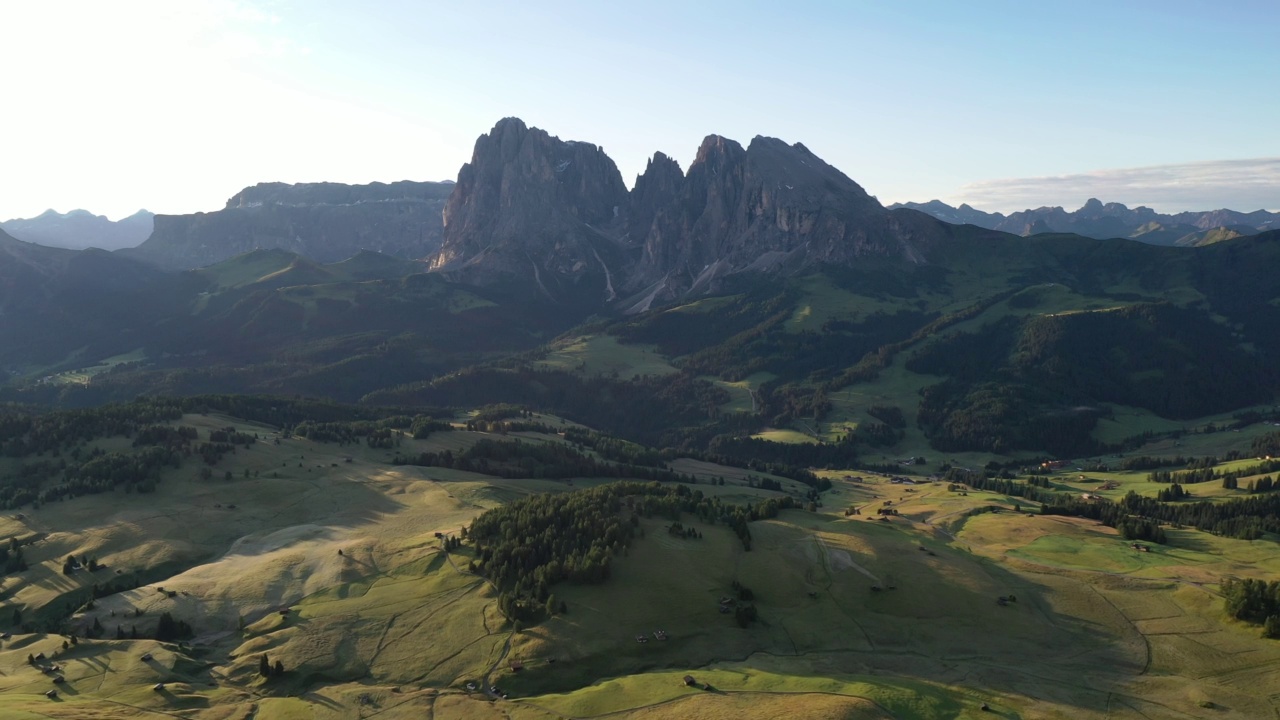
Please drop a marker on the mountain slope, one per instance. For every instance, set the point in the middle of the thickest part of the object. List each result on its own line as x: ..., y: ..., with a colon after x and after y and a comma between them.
x: 55, y: 303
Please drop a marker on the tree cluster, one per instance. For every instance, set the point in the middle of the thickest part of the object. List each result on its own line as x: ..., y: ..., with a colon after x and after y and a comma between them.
x: 527, y: 546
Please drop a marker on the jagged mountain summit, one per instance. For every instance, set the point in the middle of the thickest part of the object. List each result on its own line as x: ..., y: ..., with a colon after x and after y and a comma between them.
x: 80, y: 229
x: 554, y: 217
x: 327, y: 222
x: 1112, y: 220
x: 536, y: 211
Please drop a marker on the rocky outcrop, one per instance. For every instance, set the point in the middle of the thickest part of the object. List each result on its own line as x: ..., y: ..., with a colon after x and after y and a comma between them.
x: 326, y: 222
x: 770, y: 206
x: 536, y: 214
x: 655, y: 190
x: 326, y: 193
x: 553, y: 217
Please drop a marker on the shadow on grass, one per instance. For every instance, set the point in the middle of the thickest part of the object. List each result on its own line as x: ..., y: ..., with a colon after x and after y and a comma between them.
x: 943, y: 624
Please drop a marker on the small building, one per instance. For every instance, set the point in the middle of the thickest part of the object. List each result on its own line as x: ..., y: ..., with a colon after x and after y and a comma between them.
x: 146, y: 657
x: 516, y: 666
x: 690, y: 681
x: 52, y: 694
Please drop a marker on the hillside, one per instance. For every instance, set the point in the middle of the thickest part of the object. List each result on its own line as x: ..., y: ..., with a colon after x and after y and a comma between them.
x: 314, y: 550
x: 89, y: 328
x: 1003, y: 346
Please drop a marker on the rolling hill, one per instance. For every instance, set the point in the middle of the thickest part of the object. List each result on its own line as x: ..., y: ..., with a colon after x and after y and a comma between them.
x: 311, y: 544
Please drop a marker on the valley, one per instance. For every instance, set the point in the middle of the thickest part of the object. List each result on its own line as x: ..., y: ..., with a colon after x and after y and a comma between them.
x: 331, y: 559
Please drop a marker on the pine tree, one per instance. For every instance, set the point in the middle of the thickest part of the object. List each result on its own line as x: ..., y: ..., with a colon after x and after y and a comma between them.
x: 264, y: 666
x: 278, y: 669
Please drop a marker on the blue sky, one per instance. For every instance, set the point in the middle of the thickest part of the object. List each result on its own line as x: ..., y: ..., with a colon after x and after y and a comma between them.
x: 175, y: 106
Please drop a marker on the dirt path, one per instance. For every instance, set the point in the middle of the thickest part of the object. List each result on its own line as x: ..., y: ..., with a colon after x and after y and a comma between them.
x: 485, y: 682
x: 842, y: 560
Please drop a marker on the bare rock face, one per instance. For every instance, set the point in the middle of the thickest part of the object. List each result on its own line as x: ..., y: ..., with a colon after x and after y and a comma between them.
x: 767, y: 207
x: 554, y: 218
x: 326, y: 222
x: 536, y: 213
x: 655, y: 190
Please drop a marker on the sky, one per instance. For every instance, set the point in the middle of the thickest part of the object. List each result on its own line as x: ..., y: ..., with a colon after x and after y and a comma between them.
x: 174, y: 106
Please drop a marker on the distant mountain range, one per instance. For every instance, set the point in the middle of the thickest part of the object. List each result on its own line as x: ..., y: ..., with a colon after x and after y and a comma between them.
x: 80, y: 229
x: 1111, y: 220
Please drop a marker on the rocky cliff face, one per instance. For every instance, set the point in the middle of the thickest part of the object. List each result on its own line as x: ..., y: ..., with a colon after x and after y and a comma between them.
x: 536, y: 213
x: 769, y: 206
x: 326, y: 222
x: 554, y: 215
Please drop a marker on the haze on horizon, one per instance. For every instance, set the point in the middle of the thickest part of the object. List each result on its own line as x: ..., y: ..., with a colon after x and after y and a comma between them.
x: 177, y: 106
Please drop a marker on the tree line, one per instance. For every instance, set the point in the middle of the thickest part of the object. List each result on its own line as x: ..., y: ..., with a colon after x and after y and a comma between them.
x: 527, y: 546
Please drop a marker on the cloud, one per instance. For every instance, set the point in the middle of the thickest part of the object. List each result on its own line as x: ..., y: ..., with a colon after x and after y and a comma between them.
x: 1244, y: 185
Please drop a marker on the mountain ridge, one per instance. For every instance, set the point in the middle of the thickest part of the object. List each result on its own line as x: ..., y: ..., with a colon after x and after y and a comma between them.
x: 328, y: 222
x: 1104, y: 221
x: 530, y: 204
x: 80, y: 229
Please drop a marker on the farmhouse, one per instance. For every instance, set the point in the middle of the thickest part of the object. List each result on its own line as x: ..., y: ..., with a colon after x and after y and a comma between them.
x: 690, y: 681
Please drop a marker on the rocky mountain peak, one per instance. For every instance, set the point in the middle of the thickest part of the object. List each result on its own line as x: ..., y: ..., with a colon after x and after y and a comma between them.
x: 716, y: 150
x: 656, y: 188
x: 553, y: 216
x: 534, y: 209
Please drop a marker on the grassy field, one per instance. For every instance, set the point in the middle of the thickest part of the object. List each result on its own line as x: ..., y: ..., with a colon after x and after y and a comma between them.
x: 823, y: 301
x: 858, y: 616
x: 784, y: 435
x: 604, y: 355
x: 741, y: 393
x: 82, y: 376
